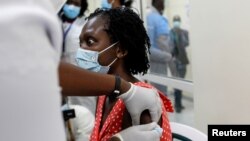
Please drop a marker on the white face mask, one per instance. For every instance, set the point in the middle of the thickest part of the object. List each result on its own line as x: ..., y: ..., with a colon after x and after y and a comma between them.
x: 106, y: 4
x: 88, y: 59
x: 177, y: 24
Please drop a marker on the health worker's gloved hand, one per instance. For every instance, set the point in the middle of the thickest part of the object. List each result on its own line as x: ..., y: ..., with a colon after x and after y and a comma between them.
x: 137, y: 99
x: 146, y: 132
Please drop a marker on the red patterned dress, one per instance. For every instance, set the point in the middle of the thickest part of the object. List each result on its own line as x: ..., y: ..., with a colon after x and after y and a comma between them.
x: 113, y: 123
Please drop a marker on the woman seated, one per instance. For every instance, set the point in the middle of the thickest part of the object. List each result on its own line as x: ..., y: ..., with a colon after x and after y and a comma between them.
x: 114, y: 41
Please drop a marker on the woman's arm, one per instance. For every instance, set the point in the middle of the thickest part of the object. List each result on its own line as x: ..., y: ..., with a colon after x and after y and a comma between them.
x: 146, y: 118
x: 114, y: 139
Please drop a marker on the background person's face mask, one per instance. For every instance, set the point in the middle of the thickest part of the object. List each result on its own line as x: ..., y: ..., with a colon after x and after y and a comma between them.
x: 177, y: 24
x: 71, y: 11
x: 106, y: 4
x: 88, y: 59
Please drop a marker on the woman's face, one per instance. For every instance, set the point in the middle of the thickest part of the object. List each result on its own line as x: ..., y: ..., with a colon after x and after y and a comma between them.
x: 94, y: 37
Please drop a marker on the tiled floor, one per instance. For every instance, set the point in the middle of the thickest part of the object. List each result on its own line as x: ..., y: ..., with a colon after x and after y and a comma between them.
x: 187, y: 115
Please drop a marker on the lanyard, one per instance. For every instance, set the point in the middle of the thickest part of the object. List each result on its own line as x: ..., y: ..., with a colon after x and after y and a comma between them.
x: 64, y: 36
x: 66, y: 32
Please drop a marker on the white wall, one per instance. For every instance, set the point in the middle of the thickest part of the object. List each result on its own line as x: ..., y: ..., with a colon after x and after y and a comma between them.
x: 93, y: 4
x: 220, y: 37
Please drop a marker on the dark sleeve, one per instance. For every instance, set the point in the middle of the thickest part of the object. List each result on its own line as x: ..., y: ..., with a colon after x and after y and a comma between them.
x: 185, y: 38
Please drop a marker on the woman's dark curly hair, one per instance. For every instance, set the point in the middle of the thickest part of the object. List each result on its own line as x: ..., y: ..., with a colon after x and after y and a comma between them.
x: 84, y: 7
x: 126, y: 27
x: 126, y: 3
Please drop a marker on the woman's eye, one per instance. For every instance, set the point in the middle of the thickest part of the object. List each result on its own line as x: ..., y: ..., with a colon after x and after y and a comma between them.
x: 90, y: 41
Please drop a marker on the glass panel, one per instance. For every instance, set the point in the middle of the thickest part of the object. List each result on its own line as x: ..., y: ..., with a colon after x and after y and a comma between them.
x: 186, y: 115
x: 169, y: 36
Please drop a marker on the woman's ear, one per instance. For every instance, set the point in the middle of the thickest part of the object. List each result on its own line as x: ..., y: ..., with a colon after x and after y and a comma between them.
x: 121, y: 53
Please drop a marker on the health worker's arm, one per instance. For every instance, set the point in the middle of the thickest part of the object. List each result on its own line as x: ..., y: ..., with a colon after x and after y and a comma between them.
x: 79, y: 82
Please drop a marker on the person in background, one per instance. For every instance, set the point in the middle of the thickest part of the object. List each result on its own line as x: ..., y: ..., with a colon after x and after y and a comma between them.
x: 73, y: 17
x: 115, y: 41
x: 158, y: 30
x: 116, y: 3
x: 180, y: 41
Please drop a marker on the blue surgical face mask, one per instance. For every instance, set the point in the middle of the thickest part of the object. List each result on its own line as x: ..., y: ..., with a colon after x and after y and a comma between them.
x: 71, y: 11
x: 106, y: 4
x: 88, y: 59
x: 177, y: 24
